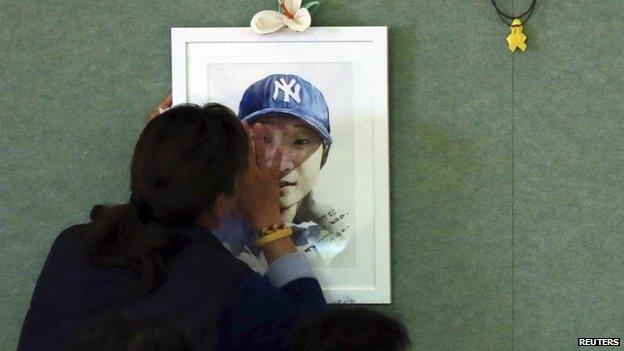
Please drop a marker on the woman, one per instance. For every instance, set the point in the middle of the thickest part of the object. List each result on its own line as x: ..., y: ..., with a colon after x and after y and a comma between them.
x: 155, y: 257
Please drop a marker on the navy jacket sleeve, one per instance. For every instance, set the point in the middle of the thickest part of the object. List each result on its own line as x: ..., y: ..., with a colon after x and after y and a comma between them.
x: 260, y: 315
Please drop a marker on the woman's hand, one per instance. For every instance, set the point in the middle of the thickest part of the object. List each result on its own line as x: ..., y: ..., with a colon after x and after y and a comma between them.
x: 160, y: 108
x: 257, y: 189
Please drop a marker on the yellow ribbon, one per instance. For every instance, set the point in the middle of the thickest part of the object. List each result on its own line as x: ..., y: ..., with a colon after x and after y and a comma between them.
x: 516, y: 38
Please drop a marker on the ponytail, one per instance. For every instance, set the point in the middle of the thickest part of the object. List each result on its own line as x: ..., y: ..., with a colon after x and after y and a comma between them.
x: 121, y: 237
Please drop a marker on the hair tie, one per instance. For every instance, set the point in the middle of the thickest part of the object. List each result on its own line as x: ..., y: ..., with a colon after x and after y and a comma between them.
x: 142, y: 208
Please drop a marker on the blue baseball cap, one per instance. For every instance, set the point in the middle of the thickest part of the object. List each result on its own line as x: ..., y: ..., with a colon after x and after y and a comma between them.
x: 287, y: 94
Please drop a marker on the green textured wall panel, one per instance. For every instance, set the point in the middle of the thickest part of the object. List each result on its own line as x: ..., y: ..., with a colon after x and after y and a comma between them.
x: 450, y: 174
x: 77, y: 77
x: 569, y: 127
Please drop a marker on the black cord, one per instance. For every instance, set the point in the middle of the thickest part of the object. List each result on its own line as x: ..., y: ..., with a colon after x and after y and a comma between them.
x: 526, y: 13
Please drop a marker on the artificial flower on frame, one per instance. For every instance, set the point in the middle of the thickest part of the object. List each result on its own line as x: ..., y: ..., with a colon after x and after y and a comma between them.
x: 291, y: 14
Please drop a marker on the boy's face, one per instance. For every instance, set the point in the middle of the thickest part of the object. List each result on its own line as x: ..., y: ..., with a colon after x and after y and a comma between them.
x: 302, y: 155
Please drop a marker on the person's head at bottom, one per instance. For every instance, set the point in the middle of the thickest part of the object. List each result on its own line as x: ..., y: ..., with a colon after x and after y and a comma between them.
x: 350, y: 329
x: 131, y: 334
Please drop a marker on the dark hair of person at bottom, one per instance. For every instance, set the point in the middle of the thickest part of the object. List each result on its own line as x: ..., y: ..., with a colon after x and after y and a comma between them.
x: 347, y: 328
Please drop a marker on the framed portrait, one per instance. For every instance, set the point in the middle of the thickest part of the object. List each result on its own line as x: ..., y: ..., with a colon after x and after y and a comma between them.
x: 325, y: 94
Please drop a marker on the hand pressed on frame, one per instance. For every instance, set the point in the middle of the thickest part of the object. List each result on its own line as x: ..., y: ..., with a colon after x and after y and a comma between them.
x: 257, y: 189
x: 160, y: 108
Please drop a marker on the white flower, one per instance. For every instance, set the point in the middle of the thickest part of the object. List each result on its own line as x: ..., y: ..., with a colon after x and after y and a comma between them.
x: 292, y: 15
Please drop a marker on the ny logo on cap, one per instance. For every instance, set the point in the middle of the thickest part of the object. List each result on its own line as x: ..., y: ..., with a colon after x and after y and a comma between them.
x: 290, y: 89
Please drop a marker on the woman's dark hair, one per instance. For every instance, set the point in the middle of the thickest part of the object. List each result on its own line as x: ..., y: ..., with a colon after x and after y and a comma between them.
x: 349, y: 328
x: 131, y: 334
x: 184, y: 159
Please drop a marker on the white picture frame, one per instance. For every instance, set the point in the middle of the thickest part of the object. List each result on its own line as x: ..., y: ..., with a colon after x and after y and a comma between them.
x: 349, y: 65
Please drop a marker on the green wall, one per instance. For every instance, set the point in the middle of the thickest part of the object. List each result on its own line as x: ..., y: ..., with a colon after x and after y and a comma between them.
x: 506, y: 169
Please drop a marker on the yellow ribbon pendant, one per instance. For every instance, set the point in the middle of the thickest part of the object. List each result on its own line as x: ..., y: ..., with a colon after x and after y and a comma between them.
x: 516, y: 38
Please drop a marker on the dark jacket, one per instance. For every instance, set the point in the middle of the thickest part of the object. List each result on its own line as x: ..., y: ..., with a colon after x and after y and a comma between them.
x: 212, y: 297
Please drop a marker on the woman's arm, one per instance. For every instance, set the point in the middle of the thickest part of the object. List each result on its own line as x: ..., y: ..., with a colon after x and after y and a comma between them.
x: 265, y: 308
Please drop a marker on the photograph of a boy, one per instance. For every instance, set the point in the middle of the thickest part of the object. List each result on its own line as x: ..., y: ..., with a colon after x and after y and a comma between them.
x: 300, y: 120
